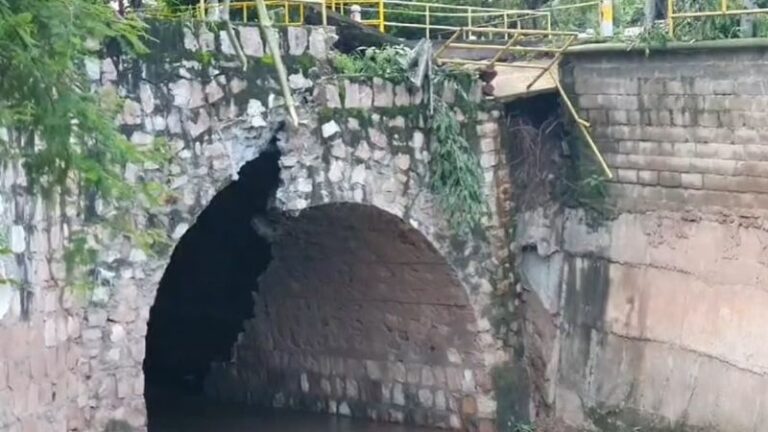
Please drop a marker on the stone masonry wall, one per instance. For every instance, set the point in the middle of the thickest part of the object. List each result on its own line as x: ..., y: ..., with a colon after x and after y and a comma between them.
x: 654, y: 318
x: 75, y: 361
x: 680, y: 129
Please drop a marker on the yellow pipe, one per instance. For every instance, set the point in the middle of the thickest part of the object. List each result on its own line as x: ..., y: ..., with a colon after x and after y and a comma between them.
x: 553, y: 62
x: 573, y: 6
x: 485, y: 63
x: 718, y: 13
x: 724, y: 6
x: 382, y: 26
x: 503, y: 50
x: 549, y: 21
x: 324, y: 14
x: 671, y: 17
x: 469, y: 21
x: 428, y: 22
x: 526, y: 32
x: 447, y: 6
x: 201, y: 13
x: 448, y: 42
x: 582, y: 126
x: 517, y: 48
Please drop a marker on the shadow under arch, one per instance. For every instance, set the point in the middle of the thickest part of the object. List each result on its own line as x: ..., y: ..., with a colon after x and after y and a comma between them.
x: 205, y: 293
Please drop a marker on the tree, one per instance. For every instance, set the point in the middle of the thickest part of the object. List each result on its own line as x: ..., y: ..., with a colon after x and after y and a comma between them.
x: 61, y: 131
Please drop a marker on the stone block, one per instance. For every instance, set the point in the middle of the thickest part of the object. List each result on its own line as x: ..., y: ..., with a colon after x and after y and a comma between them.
x: 735, y: 184
x: 3, y: 375
x: 676, y: 87
x: 751, y: 87
x: 398, y: 394
x: 670, y: 179
x: 357, y: 95
x: 653, y: 86
x: 298, y: 40
x: 648, y: 177
x: 317, y: 44
x: 382, y: 93
x: 426, y: 398
x: 626, y: 175
x: 691, y: 180
x: 402, y: 96
x: 330, y: 129
x: 746, y: 136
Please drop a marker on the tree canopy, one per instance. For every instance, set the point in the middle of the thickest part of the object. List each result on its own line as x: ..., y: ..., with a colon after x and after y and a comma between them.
x: 50, y: 118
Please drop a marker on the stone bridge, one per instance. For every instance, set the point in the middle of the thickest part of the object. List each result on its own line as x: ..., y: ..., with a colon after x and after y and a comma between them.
x: 311, y: 266
x: 366, y: 304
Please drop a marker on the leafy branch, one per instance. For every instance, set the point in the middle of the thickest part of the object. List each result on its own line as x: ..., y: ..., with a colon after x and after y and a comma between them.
x: 455, y: 172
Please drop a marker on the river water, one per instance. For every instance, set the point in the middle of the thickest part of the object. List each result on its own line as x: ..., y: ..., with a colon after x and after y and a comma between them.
x: 197, y: 415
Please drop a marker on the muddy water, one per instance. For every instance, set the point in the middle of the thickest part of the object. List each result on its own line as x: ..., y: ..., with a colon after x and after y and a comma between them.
x: 196, y: 415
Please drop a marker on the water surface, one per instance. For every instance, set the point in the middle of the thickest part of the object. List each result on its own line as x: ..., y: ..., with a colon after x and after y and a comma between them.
x: 197, y: 415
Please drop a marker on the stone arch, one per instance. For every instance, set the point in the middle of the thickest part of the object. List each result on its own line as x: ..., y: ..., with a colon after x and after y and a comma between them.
x: 359, y: 314
x: 315, y: 173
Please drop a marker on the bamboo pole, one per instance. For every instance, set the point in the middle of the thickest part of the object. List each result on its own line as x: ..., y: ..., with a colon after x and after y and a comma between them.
x: 274, y: 47
x: 233, y: 39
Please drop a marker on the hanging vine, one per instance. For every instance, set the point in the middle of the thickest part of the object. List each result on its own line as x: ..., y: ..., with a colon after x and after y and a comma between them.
x: 456, y: 176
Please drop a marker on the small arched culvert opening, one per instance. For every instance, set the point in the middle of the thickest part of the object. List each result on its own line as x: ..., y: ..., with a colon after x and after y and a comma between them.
x: 354, y: 313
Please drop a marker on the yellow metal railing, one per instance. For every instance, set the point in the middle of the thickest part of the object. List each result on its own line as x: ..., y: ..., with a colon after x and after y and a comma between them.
x: 725, y: 10
x: 290, y: 12
x: 422, y: 18
x: 557, y: 42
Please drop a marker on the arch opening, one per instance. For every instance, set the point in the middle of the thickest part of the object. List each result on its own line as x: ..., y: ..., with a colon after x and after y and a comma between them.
x: 349, y: 311
x: 358, y: 315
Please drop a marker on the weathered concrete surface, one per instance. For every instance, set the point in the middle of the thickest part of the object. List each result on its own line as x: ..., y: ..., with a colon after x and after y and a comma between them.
x: 655, y: 318
x: 75, y: 360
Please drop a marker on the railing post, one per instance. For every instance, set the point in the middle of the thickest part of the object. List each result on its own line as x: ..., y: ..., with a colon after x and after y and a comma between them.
x: 428, y: 21
x: 506, y: 24
x: 469, y: 22
x: 382, y: 26
x: 201, y: 12
x: 324, y: 14
x: 671, y: 17
x: 287, y: 12
x: 245, y: 12
x: 724, y: 6
x: 606, y: 18
x: 549, y: 21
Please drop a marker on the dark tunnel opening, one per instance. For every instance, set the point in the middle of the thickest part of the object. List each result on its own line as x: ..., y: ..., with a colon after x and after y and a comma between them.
x: 206, y: 293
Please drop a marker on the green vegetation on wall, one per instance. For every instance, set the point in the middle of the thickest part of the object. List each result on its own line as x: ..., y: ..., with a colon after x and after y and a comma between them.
x: 456, y: 176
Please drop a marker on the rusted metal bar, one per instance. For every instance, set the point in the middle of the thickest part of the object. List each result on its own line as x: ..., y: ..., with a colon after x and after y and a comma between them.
x: 553, y: 62
x: 448, y: 42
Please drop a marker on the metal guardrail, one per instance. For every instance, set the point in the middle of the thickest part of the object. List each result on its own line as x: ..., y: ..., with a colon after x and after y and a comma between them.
x: 725, y: 10
x: 426, y: 18
x: 555, y: 42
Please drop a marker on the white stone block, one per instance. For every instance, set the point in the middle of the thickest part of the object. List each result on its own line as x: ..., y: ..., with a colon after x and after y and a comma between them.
x: 18, y: 239
x: 250, y: 40
x: 329, y: 129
